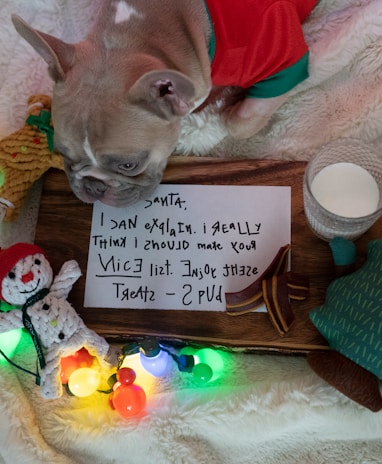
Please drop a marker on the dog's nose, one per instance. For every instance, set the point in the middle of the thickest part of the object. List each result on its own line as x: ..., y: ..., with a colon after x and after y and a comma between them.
x: 94, y: 187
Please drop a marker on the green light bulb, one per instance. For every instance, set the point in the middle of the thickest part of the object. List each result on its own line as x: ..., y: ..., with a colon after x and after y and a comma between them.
x: 8, y: 342
x: 212, y: 358
x: 202, y: 373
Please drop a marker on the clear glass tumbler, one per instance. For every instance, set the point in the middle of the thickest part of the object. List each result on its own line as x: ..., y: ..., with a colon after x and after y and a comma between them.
x: 325, y: 223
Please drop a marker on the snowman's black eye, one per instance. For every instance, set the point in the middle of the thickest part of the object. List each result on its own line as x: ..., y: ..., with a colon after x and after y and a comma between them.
x: 11, y: 275
x: 37, y: 261
x: 45, y: 307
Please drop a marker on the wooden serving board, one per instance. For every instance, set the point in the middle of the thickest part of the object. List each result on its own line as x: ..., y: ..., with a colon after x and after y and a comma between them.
x: 63, y: 231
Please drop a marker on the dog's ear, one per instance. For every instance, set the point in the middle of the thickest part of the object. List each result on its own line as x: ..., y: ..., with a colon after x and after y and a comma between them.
x: 167, y: 93
x: 58, y: 54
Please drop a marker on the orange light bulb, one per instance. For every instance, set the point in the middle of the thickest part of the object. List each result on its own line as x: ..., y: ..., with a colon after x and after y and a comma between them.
x: 69, y: 364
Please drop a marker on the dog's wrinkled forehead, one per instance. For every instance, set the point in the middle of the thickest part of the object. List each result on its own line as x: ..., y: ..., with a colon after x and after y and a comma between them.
x: 111, y: 137
x: 125, y: 12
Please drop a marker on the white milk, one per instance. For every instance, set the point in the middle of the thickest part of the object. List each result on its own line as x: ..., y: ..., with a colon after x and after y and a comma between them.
x: 346, y: 189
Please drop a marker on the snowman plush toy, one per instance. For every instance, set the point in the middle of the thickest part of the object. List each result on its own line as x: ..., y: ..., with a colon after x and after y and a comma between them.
x: 41, y: 307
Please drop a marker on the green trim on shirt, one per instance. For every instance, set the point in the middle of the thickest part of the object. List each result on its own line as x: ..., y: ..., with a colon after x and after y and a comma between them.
x: 281, y: 82
x: 275, y: 85
x: 212, y: 44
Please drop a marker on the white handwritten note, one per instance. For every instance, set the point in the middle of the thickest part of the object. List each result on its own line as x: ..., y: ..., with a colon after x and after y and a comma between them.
x: 185, y: 246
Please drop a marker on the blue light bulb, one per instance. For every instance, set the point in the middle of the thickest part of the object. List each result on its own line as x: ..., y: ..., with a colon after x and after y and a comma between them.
x: 153, y: 359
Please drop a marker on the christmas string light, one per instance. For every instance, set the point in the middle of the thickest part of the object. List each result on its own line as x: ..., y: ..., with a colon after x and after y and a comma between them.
x: 155, y: 360
x: 84, y: 382
x: 139, y: 366
x: 143, y: 378
x: 127, y: 398
x: 9, y: 341
x: 69, y: 364
x: 204, y: 364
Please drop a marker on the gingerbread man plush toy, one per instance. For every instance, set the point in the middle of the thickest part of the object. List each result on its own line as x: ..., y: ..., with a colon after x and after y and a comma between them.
x: 41, y: 306
x: 25, y: 156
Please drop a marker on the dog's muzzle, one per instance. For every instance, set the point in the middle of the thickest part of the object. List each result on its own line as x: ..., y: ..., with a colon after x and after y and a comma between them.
x: 92, y: 184
x: 112, y: 192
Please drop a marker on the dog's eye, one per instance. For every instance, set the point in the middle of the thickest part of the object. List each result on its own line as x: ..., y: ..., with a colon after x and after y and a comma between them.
x: 128, y: 166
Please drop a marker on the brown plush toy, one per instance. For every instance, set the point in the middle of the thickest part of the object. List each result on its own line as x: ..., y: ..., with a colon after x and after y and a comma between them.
x: 25, y: 156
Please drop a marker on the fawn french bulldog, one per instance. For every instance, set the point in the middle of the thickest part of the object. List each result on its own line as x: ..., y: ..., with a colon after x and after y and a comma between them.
x: 120, y: 94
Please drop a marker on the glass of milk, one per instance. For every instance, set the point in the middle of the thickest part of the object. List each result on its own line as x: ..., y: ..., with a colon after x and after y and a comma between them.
x: 342, y: 189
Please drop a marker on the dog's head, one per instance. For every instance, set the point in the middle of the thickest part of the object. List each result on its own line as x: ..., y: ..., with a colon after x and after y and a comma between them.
x: 116, y: 116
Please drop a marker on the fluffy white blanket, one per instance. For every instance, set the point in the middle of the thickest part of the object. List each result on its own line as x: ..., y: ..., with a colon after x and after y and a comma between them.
x: 268, y: 408
x: 341, y: 98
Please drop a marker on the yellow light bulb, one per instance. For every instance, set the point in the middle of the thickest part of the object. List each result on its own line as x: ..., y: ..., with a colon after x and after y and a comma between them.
x: 143, y: 379
x: 84, y: 382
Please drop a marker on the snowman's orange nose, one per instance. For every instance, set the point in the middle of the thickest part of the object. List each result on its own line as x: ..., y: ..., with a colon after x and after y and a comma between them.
x: 27, y: 277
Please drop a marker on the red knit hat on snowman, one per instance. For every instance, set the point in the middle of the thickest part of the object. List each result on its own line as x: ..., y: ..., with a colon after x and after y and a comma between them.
x: 9, y: 257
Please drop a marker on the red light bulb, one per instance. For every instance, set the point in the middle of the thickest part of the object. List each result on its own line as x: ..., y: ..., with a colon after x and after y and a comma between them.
x: 128, y: 400
x: 126, y: 376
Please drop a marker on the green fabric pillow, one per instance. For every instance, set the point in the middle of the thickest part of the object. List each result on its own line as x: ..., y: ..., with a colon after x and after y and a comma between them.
x: 351, y: 317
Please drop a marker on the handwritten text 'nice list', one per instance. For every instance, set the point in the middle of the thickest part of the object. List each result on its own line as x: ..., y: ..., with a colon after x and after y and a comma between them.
x: 166, y: 245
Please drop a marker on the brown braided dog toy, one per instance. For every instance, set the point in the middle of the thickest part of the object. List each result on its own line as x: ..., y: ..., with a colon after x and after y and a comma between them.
x: 26, y: 155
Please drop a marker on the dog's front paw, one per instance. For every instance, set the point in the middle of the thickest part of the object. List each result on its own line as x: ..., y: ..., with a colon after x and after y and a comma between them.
x: 243, y: 128
x: 250, y: 115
